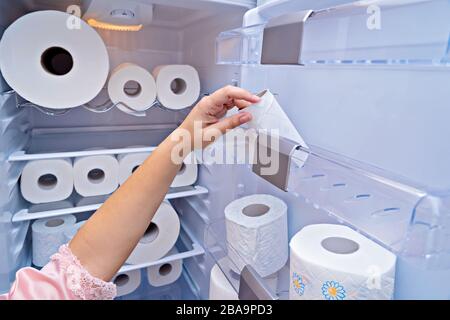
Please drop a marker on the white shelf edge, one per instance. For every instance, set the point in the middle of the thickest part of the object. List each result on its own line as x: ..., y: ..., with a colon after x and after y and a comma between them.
x: 22, y: 156
x: 25, y: 215
x: 196, y: 250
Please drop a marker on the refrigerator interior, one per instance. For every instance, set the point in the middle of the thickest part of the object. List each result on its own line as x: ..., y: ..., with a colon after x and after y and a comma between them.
x: 372, y: 107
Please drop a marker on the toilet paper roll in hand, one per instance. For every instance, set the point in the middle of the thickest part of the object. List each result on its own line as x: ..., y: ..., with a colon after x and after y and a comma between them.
x: 96, y: 175
x: 219, y: 286
x: 128, y: 163
x: 334, y: 262
x: 178, y: 86
x: 256, y: 228
x: 159, y: 238
x: 127, y: 282
x: 51, y: 65
x: 166, y: 273
x: 48, y: 236
x: 133, y: 86
x: 45, y: 181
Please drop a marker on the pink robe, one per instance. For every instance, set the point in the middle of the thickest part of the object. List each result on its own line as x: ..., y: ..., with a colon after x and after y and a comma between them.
x: 63, y: 278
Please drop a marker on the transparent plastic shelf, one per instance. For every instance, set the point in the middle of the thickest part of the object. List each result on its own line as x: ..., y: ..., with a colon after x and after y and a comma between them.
x: 384, y: 32
x: 407, y: 33
x: 240, y: 46
x: 26, y: 215
x: 100, y: 104
x: 406, y: 218
x: 70, y: 142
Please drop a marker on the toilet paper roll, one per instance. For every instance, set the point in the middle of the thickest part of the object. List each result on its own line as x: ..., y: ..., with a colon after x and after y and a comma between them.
x: 166, y: 273
x: 50, y: 64
x: 50, y: 206
x: 256, y: 228
x: 127, y: 282
x: 133, y: 86
x: 159, y: 238
x: 178, y: 86
x: 334, y: 262
x: 219, y: 286
x: 71, y: 231
x: 128, y: 163
x: 187, y: 175
x: 45, y: 181
x: 48, y: 236
x: 268, y: 115
x: 96, y: 175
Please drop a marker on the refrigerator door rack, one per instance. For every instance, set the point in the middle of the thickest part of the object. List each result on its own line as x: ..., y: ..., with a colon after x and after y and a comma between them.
x: 342, y: 33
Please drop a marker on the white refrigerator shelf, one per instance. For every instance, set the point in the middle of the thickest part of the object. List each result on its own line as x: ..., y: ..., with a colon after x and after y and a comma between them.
x: 195, y: 250
x: 25, y: 215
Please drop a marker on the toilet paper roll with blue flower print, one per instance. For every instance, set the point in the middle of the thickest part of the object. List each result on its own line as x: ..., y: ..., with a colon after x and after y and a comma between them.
x: 334, y: 262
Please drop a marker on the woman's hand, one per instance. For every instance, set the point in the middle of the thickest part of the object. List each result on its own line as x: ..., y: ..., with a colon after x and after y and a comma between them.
x: 206, y: 121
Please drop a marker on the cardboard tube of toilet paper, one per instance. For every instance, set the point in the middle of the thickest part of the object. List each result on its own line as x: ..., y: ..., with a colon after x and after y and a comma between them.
x: 178, y: 86
x: 141, y: 96
x: 48, y: 236
x: 219, y: 286
x: 50, y: 64
x: 45, y: 181
x: 334, y: 262
x: 96, y: 175
x: 256, y: 228
x: 127, y: 282
x: 166, y: 273
x: 159, y: 238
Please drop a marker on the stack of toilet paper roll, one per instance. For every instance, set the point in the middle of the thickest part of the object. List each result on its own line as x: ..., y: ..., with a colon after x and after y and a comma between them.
x: 256, y: 231
x: 129, y: 163
x: 334, y: 262
x: 45, y: 181
x: 133, y: 88
x: 49, y: 63
x: 157, y: 276
x: 158, y: 242
x: 48, y: 236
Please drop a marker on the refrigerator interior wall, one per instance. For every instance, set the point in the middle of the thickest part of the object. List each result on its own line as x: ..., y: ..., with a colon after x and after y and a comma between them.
x: 183, y: 32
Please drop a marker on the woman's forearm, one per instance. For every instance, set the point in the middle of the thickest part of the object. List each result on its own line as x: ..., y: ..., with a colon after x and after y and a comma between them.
x: 104, y: 243
x: 106, y: 240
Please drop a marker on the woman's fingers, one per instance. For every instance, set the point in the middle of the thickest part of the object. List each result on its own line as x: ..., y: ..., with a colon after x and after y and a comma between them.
x: 231, y: 122
x: 242, y: 104
x: 227, y: 94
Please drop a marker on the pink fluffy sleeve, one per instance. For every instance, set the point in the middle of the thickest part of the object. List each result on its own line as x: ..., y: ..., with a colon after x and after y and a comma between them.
x: 63, y: 278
